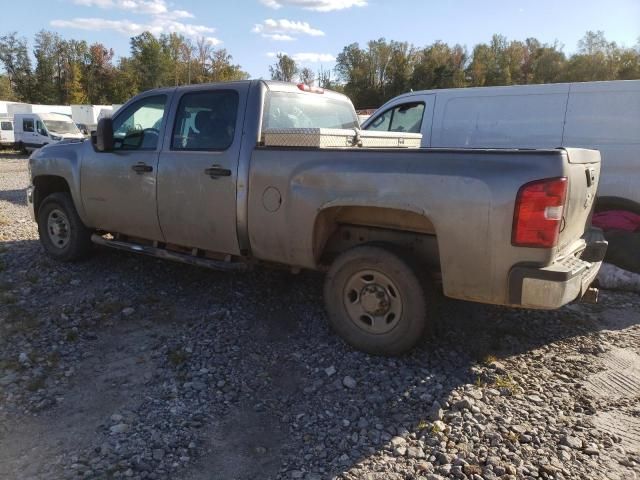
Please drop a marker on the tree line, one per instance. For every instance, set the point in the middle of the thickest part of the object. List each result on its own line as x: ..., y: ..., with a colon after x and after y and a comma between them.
x: 71, y: 71
x: 74, y: 72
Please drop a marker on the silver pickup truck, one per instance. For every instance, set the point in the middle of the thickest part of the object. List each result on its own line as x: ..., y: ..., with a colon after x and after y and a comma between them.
x: 184, y: 174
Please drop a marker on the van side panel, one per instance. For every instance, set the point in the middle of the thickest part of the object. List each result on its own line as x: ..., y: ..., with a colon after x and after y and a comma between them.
x: 606, y: 117
x: 509, y: 117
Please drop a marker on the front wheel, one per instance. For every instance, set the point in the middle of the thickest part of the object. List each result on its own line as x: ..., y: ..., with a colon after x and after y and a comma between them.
x: 62, y: 233
x: 375, y: 301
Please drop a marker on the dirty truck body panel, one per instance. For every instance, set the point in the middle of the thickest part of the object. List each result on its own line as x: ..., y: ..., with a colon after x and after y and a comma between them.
x: 466, y: 195
x: 232, y: 197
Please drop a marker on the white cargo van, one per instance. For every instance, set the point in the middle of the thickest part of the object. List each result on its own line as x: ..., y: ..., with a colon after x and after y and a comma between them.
x: 601, y: 115
x: 7, y: 138
x: 33, y: 130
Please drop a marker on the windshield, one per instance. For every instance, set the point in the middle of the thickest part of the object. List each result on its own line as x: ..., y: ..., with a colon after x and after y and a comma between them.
x: 304, y: 110
x: 61, y: 126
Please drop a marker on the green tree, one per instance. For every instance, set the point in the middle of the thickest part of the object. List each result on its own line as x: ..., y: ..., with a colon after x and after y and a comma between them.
x: 307, y: 76
x: 47, y: 73
x: 76, y: 93
x: 17, y: 65
x: 285, y: 69
x: 223, y: 69
x: 151, y: 60
x: 5, y: 88
x: 439, y: 66
x: 125, y: 84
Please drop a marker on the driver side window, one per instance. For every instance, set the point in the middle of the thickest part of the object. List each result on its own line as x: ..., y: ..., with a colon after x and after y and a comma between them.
x: 40, y: 128
x: 138, y: 126
x: 405, y: 118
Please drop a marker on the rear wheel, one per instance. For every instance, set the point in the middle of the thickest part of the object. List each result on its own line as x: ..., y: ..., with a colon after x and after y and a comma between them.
x: 376, y: 301
x: 62, y: 233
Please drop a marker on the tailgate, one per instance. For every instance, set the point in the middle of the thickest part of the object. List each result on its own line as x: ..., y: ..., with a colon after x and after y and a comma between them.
x: 583, y: 172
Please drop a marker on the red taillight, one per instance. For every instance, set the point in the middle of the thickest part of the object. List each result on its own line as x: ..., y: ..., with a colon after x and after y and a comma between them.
x: 308, y: 88
x: 538, y: 213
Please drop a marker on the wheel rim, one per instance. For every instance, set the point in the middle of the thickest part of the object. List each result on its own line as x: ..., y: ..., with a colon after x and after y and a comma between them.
x: 58, y: 228
x: 373, y: 302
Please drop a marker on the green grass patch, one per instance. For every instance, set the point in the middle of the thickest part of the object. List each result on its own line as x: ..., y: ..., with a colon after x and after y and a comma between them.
x: 177, y: 357
x: 36, y: 384
x: 109, y: 307
x: 71, y: 336
x: 506, y: 382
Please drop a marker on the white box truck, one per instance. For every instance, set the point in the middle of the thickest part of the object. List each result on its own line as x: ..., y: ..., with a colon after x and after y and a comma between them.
x: 87, y: 116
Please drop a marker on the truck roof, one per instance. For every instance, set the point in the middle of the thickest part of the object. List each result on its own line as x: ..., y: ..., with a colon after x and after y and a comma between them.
x: 272, y: 85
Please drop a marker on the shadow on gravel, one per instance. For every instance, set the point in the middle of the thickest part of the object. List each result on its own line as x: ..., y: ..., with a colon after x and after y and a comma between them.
x: 17, y: 197
x: 12, y: 155
x: 285, y: 406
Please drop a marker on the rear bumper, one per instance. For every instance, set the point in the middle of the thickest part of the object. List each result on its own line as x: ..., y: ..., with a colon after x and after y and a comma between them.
x: 560, y: 283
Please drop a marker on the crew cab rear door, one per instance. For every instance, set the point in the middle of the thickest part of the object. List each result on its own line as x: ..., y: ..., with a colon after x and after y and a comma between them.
x: 198, y: 166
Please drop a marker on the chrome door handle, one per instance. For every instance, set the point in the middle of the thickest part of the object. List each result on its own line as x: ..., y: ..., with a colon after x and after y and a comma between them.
x: 141, y: 168
x: 217, y: 171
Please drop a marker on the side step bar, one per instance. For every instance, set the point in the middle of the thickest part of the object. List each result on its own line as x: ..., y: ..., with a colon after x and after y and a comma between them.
x: 169, y: 255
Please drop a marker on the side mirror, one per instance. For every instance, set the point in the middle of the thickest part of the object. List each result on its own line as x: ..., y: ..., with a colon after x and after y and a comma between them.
x: 104, y: 135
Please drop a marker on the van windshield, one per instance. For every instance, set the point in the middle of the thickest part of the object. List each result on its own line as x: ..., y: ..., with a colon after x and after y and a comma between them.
x: 304, y: 110
x: 61, y: 126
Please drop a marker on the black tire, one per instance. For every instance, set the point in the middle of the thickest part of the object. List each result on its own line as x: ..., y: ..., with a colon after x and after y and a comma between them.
x: 76, y: 243
x: 23, y: 149
x: 397, y: 280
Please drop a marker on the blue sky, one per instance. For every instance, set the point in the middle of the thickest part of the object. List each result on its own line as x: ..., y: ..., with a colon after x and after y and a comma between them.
x: 315, y: 31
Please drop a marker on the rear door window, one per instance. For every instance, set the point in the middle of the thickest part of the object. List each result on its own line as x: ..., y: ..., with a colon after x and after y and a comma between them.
x: 308, y: 110
x: 206, y: 121
x: 27, y: 125
x: 6, y: 126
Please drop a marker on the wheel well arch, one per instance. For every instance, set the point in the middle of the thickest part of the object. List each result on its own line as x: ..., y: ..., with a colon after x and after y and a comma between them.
x: 616, y: 203
x: 338, y: 228
x: 45, y: 185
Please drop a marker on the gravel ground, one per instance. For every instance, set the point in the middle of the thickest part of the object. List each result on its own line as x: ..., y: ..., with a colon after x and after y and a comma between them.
x: 129, y: 367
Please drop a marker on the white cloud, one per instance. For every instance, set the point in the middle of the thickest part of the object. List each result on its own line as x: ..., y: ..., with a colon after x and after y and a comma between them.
x: 313, y: 57
x: 157, y: 26
x: 160, y: 19
x: 306, y: 57
x: 279, y: 37
x: 284, y: 30
x: 213, y: 41
x: 181, y: 14
x: 149, y: 7
x: 316, y: 5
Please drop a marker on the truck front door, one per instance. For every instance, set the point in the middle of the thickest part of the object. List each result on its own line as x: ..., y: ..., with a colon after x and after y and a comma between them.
x: 119, y: 187
x: 198, y: 168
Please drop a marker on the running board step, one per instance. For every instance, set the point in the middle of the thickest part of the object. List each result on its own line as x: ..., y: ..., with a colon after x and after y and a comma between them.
x: 169, y: 255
